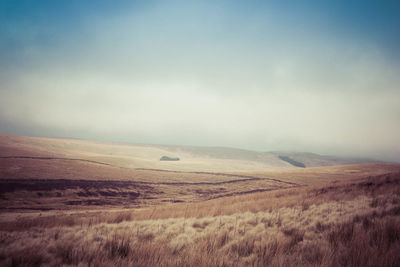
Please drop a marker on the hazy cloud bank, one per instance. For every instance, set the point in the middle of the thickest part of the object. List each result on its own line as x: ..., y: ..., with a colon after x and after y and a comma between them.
x: 204, y: 74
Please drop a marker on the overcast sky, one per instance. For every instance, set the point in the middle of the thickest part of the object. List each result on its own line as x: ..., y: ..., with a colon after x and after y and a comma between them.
x: 318, y: 76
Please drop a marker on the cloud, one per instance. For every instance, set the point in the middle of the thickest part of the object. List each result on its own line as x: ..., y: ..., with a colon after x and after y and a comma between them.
x: 201, y: 76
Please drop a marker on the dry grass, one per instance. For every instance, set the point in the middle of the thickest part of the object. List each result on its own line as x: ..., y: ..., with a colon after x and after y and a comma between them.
x: 101, y: 216
x: 354, y: 223
x: 230, y: 242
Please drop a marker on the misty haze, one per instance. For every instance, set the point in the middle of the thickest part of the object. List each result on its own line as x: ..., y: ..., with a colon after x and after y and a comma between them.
x: 199, y: 133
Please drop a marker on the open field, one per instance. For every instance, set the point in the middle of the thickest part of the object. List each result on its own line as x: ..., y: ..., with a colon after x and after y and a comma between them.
x: 342, y: 224
x: 80, y: 205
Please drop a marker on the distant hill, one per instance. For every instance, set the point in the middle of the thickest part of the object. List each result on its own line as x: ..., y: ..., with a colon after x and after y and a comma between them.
x: 191, y: 158
x: 274, y: 158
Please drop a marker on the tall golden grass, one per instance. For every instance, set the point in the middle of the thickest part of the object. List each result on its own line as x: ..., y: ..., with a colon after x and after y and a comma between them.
x: 354, y: 223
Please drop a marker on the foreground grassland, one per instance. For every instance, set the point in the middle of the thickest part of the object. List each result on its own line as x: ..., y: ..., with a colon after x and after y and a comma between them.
x: 341, y: 223
x: 67, y: 202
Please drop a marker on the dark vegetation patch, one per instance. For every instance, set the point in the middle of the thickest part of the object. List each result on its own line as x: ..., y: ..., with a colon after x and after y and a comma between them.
x: 89, y: 202
x: 46, y: 194
x: 209, y: 191
x: 166, y: 158
x: 370, y: 185
x: 87, y: 194
x: 11, y: 185
x: 292, y: 161
x: 173, y: 200
x: 243, y: 192
x: 67, y: 194
x: 242, y: 178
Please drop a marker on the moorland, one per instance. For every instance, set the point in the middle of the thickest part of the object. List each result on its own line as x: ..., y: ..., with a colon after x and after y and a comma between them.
x: 69, y: 202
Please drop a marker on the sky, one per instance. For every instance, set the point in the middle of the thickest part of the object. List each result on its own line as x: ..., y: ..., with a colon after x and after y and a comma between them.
x: 315, y: 76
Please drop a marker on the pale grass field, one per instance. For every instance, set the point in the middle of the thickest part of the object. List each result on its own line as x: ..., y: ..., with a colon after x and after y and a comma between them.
x: 131, y: 156
x: 66, y: 202
x: 352, y: 223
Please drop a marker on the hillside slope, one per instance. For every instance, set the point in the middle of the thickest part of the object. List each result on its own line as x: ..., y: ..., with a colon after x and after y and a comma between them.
x: 133, y: 156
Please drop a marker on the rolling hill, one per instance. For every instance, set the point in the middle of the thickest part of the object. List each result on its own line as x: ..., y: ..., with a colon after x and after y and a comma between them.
x: 138, y: 156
